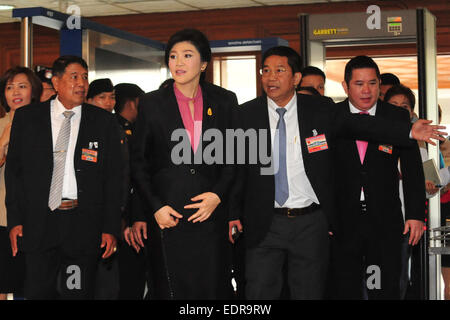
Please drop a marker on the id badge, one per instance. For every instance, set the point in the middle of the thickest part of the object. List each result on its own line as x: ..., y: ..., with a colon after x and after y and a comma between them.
x: 385, y: 148
x: 89, y: 155
x: 316, y: 143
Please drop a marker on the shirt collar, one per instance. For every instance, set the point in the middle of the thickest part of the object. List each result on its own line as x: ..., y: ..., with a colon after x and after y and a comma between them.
x: 290, y: 105
x: 59, y: 108
x: 181, y: 97
x: 371, y: 111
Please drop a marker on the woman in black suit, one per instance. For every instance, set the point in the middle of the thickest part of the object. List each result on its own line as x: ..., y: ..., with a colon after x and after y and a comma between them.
x: 180, y: 175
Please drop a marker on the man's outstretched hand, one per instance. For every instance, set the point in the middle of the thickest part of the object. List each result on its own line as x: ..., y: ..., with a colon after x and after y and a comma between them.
x: 422, y: 130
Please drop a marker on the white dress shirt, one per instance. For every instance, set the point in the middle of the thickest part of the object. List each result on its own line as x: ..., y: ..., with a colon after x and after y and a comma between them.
x: 371, y: 111
x: 70, y: 190
x: 301, y: 193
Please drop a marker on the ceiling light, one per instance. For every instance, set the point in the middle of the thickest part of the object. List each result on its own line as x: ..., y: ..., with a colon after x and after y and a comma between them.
x: 6, y: 7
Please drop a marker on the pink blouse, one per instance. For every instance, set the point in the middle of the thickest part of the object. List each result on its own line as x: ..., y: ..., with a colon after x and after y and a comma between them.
x: 192, y: 126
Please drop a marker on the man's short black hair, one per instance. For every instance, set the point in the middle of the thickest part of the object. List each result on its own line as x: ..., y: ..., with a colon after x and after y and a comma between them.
x: 125, y: 92
x: 310, y: 70
x: 389, y: 79
x: 359, y: 62
x: 293, y: 57
x: 311, y: 90
x: 60, y: 64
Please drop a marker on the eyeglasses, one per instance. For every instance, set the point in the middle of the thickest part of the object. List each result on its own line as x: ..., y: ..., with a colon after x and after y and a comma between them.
x: 265, y: 72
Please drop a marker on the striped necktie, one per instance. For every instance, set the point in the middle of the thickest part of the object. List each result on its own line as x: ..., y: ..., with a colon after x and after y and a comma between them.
x: 281, y: 180
x: 59, y: 162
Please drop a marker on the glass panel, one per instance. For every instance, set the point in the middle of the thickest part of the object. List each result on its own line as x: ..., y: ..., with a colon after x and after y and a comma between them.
x: 123, y: 61
x: 238, y: 74
x: 216, y: 72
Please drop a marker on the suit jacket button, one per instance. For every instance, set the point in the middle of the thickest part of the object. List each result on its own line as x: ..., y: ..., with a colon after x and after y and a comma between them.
x: 192, y: 171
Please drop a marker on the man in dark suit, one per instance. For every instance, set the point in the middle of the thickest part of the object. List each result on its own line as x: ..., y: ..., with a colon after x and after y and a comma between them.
x: 288, y: 210
x: 63, y: 187
x: 369, y: 207
x: 132, y: 261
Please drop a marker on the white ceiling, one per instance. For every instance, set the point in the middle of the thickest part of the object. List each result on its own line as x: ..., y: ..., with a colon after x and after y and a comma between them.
x: 90, y: 8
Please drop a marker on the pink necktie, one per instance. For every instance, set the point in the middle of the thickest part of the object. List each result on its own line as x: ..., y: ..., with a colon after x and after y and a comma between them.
x: 362, y: 145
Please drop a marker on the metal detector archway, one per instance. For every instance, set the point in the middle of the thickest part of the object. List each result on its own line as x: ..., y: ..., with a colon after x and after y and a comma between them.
x: 376, y: 27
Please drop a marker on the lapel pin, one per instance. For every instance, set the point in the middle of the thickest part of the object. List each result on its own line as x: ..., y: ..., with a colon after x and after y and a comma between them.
x: 209, y: 111
x: 93, y: 145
